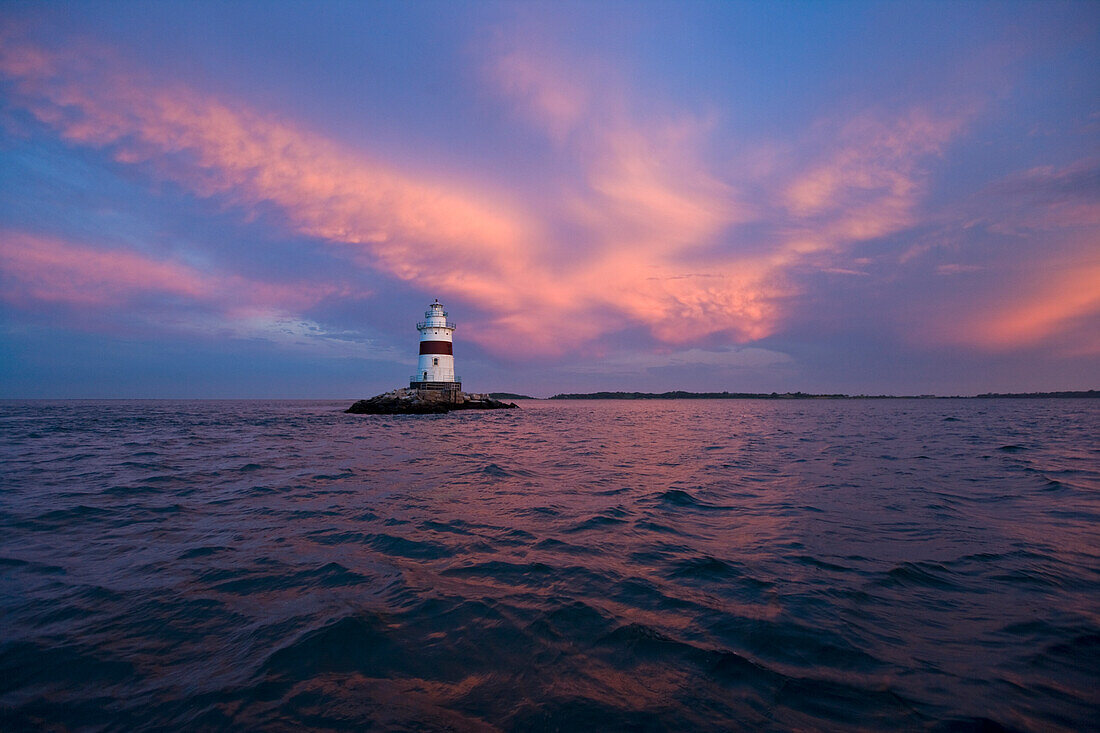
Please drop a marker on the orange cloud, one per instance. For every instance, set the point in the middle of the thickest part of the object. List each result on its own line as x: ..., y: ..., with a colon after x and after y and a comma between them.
x: 1064, y: 304
x: 1043, y: 288
x: 1053, y: 301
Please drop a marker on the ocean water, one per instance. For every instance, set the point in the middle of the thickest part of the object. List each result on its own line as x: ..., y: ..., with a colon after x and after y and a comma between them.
x: 680, y: 565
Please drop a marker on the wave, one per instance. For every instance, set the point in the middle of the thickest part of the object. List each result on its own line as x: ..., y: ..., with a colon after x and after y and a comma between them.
x: 275, y: 566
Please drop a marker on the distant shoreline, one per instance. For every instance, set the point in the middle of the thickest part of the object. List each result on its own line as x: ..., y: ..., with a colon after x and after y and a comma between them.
x: 677, y: 395
x: 680, y: 395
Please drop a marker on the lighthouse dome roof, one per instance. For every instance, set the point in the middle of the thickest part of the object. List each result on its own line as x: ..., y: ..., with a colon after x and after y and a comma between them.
x: 435, y: 312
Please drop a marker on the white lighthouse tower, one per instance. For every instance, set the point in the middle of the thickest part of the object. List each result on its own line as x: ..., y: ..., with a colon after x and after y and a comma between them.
x: 436, y: 367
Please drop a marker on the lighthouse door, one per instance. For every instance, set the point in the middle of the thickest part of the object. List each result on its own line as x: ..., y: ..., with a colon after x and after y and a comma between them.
x: 425, y: 376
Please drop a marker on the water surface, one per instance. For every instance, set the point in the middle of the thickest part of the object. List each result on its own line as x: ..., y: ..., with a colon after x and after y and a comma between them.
x: 917, y: 564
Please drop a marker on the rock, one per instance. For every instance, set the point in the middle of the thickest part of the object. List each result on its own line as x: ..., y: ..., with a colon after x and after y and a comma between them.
x: 425, y: 402
x: 382, y: 405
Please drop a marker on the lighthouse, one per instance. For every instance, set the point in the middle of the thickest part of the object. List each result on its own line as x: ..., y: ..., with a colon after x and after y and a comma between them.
x: 434, y: 388
x: 435, y: 369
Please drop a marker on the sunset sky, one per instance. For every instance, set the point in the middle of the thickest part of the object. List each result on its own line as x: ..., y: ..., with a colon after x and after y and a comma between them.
x: 208, y: 199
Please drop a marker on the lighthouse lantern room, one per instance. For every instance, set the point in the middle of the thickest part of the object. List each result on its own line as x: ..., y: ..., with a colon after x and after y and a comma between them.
x: 436, y: 367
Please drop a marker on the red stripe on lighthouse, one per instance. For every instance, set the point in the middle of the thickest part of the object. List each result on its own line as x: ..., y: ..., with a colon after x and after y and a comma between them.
x: 436, y: 347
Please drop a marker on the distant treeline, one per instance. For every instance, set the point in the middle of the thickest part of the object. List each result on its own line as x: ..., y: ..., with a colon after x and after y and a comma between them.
x: 1037, y: 395
x: 681, y: 395
x: 509, y: 396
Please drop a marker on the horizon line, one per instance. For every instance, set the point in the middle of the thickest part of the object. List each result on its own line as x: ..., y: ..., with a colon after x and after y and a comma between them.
x: 614, y: 395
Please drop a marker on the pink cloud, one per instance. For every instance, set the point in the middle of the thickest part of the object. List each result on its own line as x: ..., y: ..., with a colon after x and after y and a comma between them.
x: 870, y: 180
x: 651, y: 212
x: 38, y: 269
x: 665, y: 221
x: 49, y: 270
x: 549, y: 99
x: 219, y: 148
x: 655, y: 220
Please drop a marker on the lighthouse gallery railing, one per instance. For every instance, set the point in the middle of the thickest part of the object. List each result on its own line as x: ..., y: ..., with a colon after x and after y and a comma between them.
x: 446, y: 324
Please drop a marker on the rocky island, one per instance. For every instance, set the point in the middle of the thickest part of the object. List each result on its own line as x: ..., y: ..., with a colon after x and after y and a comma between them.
x: 410, y: 401
x: 434, y: 388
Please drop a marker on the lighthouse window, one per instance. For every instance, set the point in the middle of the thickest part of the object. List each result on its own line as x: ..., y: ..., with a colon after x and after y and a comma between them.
x: 435, y: 362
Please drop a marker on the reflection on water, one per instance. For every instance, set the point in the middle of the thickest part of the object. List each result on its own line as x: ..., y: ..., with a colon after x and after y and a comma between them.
x: 571, y: 565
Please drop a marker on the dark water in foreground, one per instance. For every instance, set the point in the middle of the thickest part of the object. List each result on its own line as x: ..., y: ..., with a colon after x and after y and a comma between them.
x: 568, y: 566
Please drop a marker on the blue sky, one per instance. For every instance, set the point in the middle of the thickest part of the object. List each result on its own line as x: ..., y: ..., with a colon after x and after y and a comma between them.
x: 260, y: 199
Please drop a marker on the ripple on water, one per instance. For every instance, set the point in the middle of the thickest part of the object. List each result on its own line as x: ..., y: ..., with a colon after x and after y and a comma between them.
x: 694, y: 565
